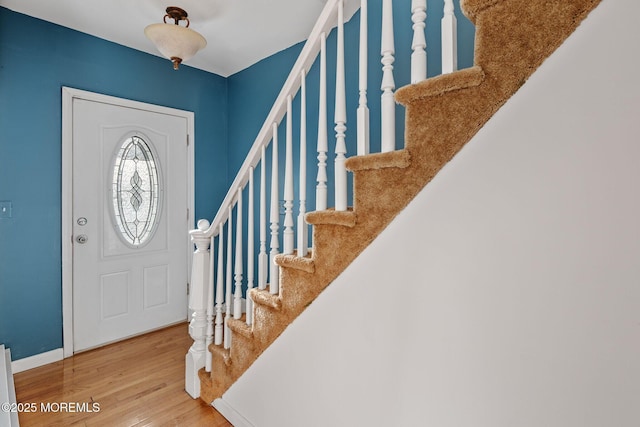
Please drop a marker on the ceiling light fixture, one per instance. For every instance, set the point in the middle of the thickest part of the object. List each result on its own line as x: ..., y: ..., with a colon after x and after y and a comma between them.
x: 176, y: 42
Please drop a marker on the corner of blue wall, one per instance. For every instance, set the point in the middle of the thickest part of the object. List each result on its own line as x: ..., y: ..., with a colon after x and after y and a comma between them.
x: 37, y: 59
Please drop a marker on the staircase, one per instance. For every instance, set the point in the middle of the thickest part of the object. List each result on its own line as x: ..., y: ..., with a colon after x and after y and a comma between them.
x: 513, y: 37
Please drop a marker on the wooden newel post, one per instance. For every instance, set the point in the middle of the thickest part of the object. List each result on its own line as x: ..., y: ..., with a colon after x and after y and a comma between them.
x: 195, y: 358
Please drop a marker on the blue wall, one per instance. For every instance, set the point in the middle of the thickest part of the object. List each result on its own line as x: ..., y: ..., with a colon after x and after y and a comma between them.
x: 37, y: 58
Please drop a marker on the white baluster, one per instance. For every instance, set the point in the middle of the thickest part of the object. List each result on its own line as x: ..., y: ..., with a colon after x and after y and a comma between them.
x: 303, y: 231
x: 237, y: 296
x: 210, y: 308
x: 227, y: 300
x: 363, y: 110
x: 419, y: 43
x: 262, y: 256
x: 287, y: 235
x: 220, y: 288
x: 449, y: 39
x: 195, y: 358
x: 274, y: 273
x: 250, y: 253
x: 323, y: 147
x: 388, y: 103
x: 340, y: 118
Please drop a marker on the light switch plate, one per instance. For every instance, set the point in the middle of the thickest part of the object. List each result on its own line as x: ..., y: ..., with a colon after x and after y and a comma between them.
x: 5, y: 209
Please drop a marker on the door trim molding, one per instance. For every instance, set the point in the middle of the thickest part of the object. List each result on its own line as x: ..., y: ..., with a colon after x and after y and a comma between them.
x: 68, y: 95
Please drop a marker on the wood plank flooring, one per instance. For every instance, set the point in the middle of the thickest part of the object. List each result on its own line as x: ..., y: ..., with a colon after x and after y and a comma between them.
x: 137, y: 382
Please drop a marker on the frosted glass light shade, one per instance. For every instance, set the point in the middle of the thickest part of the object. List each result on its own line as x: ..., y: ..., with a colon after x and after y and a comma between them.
x: 175, y: 42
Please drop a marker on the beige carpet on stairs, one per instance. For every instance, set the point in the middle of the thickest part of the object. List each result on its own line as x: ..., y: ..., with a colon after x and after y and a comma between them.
x: 513, y: 37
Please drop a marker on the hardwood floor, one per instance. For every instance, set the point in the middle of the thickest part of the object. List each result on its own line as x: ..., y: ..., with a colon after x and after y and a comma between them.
x: 137, y: 382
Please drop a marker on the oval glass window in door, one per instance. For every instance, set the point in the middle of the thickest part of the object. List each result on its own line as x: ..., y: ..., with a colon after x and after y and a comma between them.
x: 136, y: 191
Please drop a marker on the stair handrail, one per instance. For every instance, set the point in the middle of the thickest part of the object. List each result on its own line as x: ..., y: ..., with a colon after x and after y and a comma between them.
x: 326, y: 21
x: 201, y: 326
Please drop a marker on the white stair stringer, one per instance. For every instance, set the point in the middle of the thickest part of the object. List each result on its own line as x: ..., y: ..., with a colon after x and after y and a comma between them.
x: 8, y: 408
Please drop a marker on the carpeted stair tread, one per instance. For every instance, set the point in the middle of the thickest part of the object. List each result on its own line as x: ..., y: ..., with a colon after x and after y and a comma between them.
x: 435, y: 86
x: 471, y: 8
x: 344, y: 218
x: 299, y: 263
x: 239, y: 326
x: 266, y: 298
x: 394, y: 159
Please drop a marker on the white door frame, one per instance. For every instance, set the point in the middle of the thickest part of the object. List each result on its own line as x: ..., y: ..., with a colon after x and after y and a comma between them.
x: 68, y: 95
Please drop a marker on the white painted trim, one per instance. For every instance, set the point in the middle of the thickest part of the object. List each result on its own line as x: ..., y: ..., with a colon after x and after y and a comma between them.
x: 7, y: 389
x: 68, y: 95
x: 67, y: 218
x: 37, y: 360
x: 233, y: 416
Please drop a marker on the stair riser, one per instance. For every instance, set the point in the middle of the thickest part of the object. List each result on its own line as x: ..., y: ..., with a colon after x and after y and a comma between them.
x: 385, y: 205
x: 267, y: 325
x: 243, y: 350
x: 533, y: 34
x: 299, y: 290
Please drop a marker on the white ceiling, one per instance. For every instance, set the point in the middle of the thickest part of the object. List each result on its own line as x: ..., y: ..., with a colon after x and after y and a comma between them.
x: 239, y: 33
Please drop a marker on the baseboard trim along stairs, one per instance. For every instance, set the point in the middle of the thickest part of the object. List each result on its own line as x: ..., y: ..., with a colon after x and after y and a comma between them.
x: 233, y: 416
x: 513, y: 38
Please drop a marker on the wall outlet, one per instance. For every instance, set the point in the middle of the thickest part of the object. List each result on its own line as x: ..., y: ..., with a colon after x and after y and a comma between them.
x: 5, y: 209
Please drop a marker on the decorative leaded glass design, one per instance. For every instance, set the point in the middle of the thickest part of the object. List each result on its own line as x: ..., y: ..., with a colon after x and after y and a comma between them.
x: 136, y: 191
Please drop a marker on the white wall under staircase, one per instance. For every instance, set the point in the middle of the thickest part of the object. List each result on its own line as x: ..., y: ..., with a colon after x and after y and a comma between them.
x: 508, y: 293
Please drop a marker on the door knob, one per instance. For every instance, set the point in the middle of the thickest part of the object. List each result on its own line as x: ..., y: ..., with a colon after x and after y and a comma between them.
x: 82, y: 239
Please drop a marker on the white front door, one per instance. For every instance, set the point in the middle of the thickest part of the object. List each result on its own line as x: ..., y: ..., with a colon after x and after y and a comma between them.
x: 130, y: 226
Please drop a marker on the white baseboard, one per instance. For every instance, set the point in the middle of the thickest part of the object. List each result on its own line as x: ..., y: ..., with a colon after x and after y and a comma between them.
x: 37, y: 360
x: 231, y: 414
